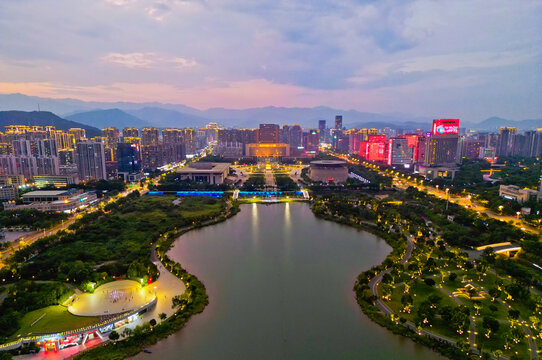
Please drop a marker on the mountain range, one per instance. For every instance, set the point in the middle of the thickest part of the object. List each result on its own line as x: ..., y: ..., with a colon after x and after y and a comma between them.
x: 123, y: 114
x: 43, y: 118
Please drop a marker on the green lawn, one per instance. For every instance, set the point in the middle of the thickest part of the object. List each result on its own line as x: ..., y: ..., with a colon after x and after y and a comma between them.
x: 496, y: 341
x: 422, y: 292
x: 57, y: 318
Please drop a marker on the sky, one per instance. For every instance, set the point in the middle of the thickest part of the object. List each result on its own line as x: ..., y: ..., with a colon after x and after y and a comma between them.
x: 468, y: 59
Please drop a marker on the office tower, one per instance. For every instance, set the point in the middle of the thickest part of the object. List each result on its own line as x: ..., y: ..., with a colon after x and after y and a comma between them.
x: 268, y: 134
x: 338, y: 122
x: 322, y: 128
x: 505, y: 142
x: 399, y: 153
x: 150, y: 136
x: 311, y: 141
x: 91, y: 160
x: 78, y: 134
x: 442, y: 145
x: 129, y: 160
x: 130, y: 132
x: 470, y: 148
x: 296, y: 136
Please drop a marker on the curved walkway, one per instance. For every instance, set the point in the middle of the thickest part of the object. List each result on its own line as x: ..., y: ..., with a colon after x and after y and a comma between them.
x: 373, y: 284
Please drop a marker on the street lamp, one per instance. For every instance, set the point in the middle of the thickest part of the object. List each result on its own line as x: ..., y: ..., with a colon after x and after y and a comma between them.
x: 447, y: 190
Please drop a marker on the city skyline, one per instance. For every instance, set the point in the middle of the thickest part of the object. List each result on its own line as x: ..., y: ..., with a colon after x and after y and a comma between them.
x: 380, y: 57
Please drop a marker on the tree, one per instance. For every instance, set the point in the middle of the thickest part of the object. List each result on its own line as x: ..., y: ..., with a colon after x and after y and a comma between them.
x: 152, y: 322
x: 429, y: 281
x: 490, y: 324
x: 114, y: 336
x: 162, y: 316
x: 386, y: 291
x: 494, y: 293
x: 497, y: 353
x: 452, y: 277
x: 406, y: 300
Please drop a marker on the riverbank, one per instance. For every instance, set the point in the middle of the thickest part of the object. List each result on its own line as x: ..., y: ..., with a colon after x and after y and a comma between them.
x: 365, y: 296
x: 193, y: 302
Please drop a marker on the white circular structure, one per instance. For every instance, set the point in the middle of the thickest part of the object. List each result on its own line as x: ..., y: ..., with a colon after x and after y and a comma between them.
x: 112, y: 298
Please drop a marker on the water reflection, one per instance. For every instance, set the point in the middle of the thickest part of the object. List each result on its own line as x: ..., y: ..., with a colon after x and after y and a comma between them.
x: 255, y: 227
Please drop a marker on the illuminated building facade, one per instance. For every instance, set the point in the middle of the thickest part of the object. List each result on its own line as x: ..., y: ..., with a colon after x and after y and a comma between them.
x: 441, y: 149
x: 399, y: 153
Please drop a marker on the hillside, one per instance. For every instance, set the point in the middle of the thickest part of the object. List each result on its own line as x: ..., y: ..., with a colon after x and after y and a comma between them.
x: 109, y: 117
x: 43, y: 118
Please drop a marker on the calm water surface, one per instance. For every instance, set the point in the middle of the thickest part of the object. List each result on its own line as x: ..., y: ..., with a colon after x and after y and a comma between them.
x: 280, y: 287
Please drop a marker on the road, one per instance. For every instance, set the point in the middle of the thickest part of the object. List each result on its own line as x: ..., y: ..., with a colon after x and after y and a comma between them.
x: 373, y: 284
x: 29, y: 239
x: 403, y: 182
x: 466, y: 202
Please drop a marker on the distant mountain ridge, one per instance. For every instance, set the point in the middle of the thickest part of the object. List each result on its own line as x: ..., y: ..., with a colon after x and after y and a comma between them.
x: 43, y: 118
x: 109, y: 117
x: 121, y: 114
x: 164, y: 118
x: 494, y: 123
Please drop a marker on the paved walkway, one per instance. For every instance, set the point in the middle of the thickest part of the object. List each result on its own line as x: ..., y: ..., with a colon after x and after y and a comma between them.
x: 373, y: 284
x: 112, y: 298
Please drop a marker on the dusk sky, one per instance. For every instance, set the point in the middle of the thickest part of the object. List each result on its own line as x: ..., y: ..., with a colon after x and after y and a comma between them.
x: 467, y: 59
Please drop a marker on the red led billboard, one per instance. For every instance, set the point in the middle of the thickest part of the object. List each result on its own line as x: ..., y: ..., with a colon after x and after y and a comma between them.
x: 376, y: 138
x: 445, y: 127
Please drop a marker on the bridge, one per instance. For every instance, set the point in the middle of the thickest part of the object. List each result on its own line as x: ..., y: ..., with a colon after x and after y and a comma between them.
x: 500, y: 248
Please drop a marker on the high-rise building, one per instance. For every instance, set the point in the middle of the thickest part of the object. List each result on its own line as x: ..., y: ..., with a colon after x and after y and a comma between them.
x: 91, y: 160
x: 505, y: 142
x: 78, y: 133
x: 338, y: 122
x: 130, y: 132
x: 268, y: 134
x: 470, y: 148
x: 322, y: 128
x: 172, y: 136
x: 311, y: 141
x: 442, y: 145
x: 111, y: 141
x: 129, y: 158
x: 150, y: 136
x: 533, y: 143
x: 189, y: 140
x: 399, y: 153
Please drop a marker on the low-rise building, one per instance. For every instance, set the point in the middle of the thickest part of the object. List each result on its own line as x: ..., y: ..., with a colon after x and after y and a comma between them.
x: 8, y: 193
x: 57, y: 181
x: 328, y: 171
x: 212, y: 173
x: 513, y: 192
x: 56, y: 201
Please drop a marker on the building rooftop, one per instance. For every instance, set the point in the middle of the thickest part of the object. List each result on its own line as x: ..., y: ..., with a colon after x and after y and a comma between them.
x: 328, y: 162
x: 205, y: 167
x: 47, y: 193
